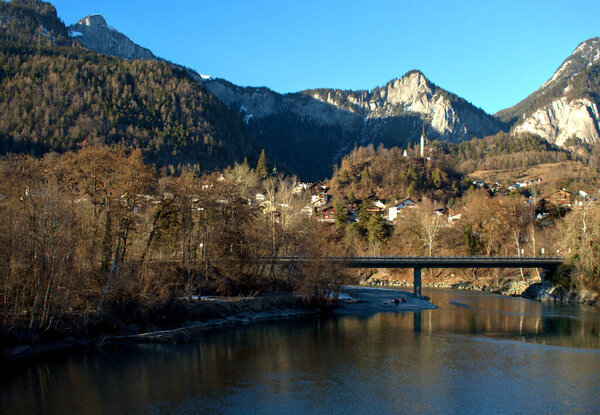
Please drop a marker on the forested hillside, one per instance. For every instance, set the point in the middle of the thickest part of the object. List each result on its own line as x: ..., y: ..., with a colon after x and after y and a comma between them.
x: 391, y: 173
x: 501, y: 151
x: 55, y: 94
x: 387, y: 174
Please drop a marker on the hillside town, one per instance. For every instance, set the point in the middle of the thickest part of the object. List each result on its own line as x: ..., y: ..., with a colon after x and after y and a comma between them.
x: 323, y: 208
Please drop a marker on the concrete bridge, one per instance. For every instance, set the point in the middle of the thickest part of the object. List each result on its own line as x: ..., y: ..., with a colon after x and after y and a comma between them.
x: 548, y: 264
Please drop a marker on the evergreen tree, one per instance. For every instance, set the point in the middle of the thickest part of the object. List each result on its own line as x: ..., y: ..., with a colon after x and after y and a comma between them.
x: 377, y: 231
x: 365, y: 177
x: 437, y: 177
x: 341, y: 216
x: 261, y: 166
x: 351, y: 197
x: 471, y: 240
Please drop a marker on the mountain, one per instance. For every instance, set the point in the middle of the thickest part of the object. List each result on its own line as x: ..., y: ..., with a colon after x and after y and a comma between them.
x: 448, y: 116
x: 310, y: 130
x: 93, y: 32
x: 57, y: 92
x: 31, y: 21
x: 56, y: 95
x: 566, y: 105
x: 307, y: 132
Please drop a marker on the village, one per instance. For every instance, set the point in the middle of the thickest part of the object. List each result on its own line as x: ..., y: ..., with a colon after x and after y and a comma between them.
x: 323, y: 207
x: 548, y: 201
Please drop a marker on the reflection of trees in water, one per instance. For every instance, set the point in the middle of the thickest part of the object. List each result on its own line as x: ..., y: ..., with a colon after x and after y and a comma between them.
x: 516, y: 318
x: 285, y: 357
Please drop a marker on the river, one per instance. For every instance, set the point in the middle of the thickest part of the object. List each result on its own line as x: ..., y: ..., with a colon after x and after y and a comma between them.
x: 476, y: 353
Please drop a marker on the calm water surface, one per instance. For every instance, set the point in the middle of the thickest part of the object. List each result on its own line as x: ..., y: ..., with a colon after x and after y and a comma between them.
x: 477, y: 353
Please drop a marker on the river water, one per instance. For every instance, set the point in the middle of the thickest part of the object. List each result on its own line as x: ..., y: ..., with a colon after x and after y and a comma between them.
x: 476, y: 353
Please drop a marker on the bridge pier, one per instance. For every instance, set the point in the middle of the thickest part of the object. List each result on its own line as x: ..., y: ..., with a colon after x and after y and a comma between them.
x: 547, y: 273
x: 417, y: 282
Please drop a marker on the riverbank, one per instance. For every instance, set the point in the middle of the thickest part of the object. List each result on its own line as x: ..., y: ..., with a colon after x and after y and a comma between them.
x: 191, y: 318
x: 171, y: 321
x: 532, y: 289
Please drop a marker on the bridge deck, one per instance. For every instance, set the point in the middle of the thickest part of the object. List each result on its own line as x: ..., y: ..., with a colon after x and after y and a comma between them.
x: 435, y: 262
x: 418, y: 263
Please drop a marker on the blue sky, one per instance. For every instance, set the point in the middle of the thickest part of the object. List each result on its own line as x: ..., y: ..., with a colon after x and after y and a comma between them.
x: 492, y: 53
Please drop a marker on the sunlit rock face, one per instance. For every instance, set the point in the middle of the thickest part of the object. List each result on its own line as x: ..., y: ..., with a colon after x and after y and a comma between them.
x: 564, y: 119
x: 413, y: 96
x: 93, y: 32
x: 449, y: 116
x: 566, y: 105
x: 311, y: 130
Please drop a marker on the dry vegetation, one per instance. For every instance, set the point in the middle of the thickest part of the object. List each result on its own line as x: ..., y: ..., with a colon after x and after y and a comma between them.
x: 550, y: 172
x: 96, y: 235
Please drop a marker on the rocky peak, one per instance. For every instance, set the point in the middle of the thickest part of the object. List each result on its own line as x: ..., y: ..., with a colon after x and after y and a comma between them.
x: 414, y: 81
x: 93, y: 32
x: 93, y: 20
x: 585, y: 55
x: 412, y: 87
x: 566, y: 105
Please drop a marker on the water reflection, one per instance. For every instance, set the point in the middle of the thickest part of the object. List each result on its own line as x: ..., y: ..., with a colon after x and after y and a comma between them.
x: 417, y: 321
x: 498, y: 355
x: 514, y: 318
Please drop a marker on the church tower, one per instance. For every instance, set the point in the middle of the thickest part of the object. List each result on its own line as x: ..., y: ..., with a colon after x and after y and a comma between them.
x: 423, y: 138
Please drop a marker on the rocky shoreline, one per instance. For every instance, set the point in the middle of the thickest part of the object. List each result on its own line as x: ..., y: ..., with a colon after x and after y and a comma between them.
x: 544, y: 292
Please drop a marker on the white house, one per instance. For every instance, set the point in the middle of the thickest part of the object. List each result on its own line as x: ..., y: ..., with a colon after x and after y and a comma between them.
x: 393, y: 211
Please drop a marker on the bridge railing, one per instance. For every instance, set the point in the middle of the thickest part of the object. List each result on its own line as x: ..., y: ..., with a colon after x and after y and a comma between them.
x: 429, y: 262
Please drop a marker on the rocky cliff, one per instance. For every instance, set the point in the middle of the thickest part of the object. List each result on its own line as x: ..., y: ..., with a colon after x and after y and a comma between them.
x: 448, y: 116
x: 562, y: 119
x: 93, y: 32
x: 566, y: 105
x: 309, y: 131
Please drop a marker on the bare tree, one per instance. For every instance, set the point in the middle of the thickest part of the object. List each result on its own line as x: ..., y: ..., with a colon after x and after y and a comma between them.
x: 430, y: 223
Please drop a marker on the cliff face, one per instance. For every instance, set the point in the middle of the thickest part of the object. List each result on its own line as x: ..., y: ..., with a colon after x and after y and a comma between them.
x: 448, y: 116
x: 309, y: 131
x: 566, y: 105
x: 562, y: 119
x: 93, y: 32
x: 259, y: 103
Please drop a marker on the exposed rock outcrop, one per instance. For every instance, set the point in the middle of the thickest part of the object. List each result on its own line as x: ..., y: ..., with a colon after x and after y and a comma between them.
x: 262, y: 102
x: 563, y: 119
x: 448, y: 116
x: 566, y: 105
x: 546, y: 292
x: 309, y: 131
x: 93, y: 32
